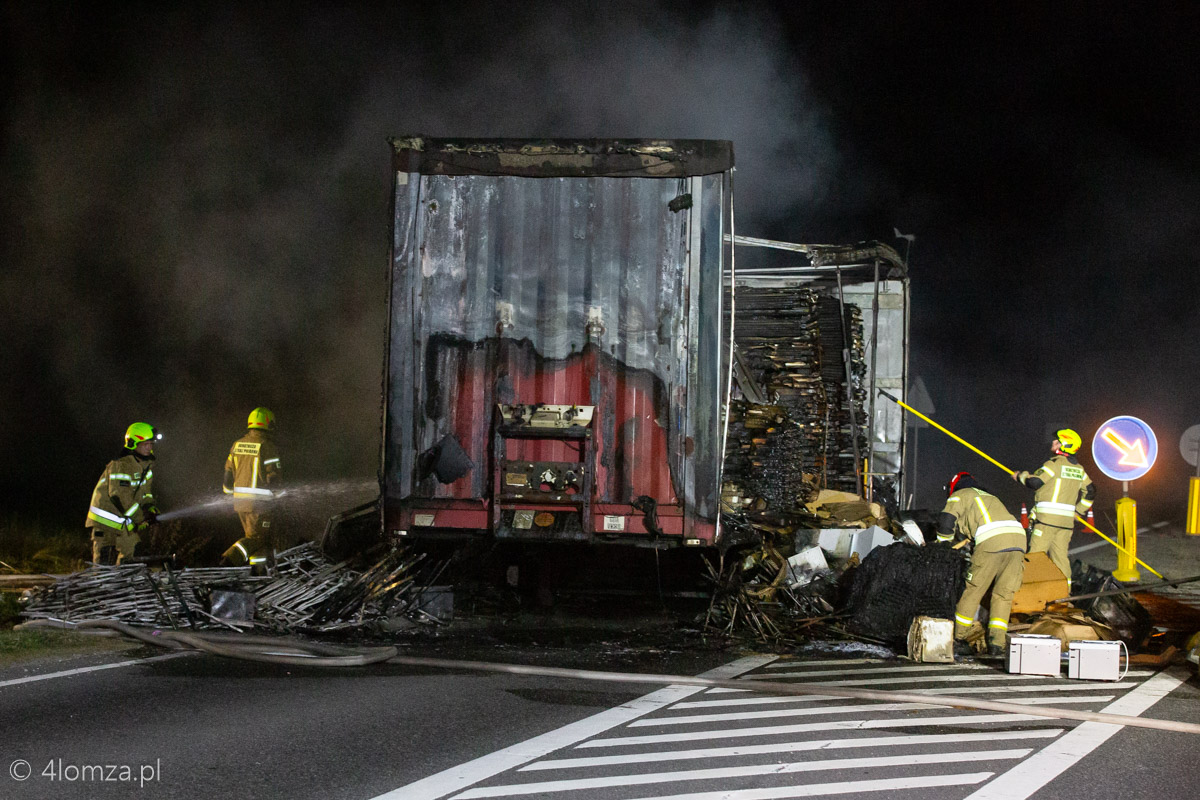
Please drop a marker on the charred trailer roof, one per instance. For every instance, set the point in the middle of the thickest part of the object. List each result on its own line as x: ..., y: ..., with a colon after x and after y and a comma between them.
x: 563, y: 158
x: 581, y: 274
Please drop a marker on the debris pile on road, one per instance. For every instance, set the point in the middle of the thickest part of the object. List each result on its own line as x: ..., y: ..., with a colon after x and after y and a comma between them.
x: 308, y: 593
x: 770, y: 597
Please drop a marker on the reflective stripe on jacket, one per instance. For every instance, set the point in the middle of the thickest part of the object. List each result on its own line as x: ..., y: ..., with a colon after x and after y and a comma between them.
x: 123, y: 493
x: 251, y: 470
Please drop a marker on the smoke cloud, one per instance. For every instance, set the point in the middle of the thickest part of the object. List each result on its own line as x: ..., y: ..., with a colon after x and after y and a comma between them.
x: 196, y: 213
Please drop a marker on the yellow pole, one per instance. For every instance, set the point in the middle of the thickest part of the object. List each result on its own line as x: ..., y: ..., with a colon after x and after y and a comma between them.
x: 970, y: 446
x: 1193, y: 514
x: 1127, y: 571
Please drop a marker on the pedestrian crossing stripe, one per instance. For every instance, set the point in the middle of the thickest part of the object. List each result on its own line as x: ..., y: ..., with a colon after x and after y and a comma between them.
x: 692, y: 743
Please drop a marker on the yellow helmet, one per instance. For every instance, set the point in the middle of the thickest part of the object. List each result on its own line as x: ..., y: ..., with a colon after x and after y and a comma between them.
x: 261, y: 418
x: 1068, y: 441
x: 140, y: 432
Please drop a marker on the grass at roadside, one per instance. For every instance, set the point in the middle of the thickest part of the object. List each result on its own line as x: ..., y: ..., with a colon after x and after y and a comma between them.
x: 20, y: 646
x: 30, y: 546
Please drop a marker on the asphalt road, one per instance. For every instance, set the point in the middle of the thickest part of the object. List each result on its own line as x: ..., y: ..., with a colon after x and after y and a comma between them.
x: 199, y: 726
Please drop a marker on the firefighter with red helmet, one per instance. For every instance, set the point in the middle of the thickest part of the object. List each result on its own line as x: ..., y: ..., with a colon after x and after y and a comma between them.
x: 252, y: 476
x: 997, y: 561
x: 1061, y: 489
x: 123, y: 500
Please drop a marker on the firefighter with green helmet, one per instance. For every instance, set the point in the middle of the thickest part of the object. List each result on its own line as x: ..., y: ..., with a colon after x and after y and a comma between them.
x: 252, y: 476
x: 997, y: 560
x: 123, y: 500
x: 1061, y: 489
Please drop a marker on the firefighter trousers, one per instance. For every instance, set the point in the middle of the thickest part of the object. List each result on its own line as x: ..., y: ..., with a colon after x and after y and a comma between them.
x: 1054, y: 541
x: 111, y: 546
x: 1002, y: 571
x: 257, y: 546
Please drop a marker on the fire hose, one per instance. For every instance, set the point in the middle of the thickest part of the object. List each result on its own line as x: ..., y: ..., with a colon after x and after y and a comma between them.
x: 975, y: 449
x: 302, y: 653
x: 265, y: 649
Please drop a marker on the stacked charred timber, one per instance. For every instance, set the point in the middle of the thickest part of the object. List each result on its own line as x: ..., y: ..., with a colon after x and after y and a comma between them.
x: 790, y: 342
x: 308, y: 594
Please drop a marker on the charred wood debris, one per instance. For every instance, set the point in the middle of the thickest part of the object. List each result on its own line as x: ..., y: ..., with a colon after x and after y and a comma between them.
x: 308, y: 593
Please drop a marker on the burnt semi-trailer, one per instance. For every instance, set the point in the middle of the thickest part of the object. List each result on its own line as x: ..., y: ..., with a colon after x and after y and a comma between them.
x: 554, y: 366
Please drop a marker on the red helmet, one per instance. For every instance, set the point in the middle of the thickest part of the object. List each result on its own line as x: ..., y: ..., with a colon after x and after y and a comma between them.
x: 952, y: 484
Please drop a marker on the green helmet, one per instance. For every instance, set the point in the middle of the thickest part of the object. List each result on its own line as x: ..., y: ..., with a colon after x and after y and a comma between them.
x: 261, y: 418
x: 140, y: 432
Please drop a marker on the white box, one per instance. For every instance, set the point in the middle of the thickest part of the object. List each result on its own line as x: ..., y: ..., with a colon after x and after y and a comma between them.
x: 836, y: 541
x: 1033, y: 654
x: 866, y: 541
x: 1094, y: 661
x: 912, y: 532
x: 806, y: 563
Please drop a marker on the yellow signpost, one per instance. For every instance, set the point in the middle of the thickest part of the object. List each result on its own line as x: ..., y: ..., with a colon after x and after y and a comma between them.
x: 1127, y: 571
x: 1189, y: 447
x: 1193, y: 513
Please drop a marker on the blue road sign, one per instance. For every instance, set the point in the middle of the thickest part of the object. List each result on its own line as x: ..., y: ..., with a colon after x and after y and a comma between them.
x: 1124, y: 448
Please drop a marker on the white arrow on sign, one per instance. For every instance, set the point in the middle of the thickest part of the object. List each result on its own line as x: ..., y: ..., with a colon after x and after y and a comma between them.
x: 1133, y: 455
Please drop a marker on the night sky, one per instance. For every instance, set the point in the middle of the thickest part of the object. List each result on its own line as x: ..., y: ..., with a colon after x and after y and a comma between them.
x: 195, y: 204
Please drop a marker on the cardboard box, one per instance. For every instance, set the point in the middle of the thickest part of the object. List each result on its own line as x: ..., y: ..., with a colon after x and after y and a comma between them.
x: 1094, y: 661
x: 931, y: 640
x: 1042, y: 583
x: 1066, y: 630
x: 1034, y: 655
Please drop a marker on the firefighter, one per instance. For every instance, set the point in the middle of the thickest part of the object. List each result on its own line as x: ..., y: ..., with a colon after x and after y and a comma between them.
x: 252, y: 476
x: 1061, y: 489
x: 998, y: 559
x: 123, y: 500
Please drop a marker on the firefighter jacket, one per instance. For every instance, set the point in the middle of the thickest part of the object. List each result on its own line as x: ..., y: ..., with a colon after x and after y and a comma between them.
x: 977, y: 515
x: 251, y: 470
x: 1061, y: 489
x: 123, y: 494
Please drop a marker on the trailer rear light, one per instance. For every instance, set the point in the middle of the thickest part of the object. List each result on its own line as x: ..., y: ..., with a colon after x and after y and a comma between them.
x: 423, y: 520
x: 691, y: 542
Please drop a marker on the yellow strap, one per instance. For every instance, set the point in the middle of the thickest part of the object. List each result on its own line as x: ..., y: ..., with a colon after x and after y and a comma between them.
x: 975, y: 449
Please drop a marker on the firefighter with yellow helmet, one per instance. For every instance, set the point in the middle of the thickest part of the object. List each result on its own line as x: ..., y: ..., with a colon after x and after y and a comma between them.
x: 252, y: 476
x: 123, y: 500
x: 997, y: 560
x: 1061, y: 489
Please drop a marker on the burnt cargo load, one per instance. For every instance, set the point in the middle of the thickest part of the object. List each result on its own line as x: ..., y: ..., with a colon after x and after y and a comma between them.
x: 554, y: 366
x: 816, y: 340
